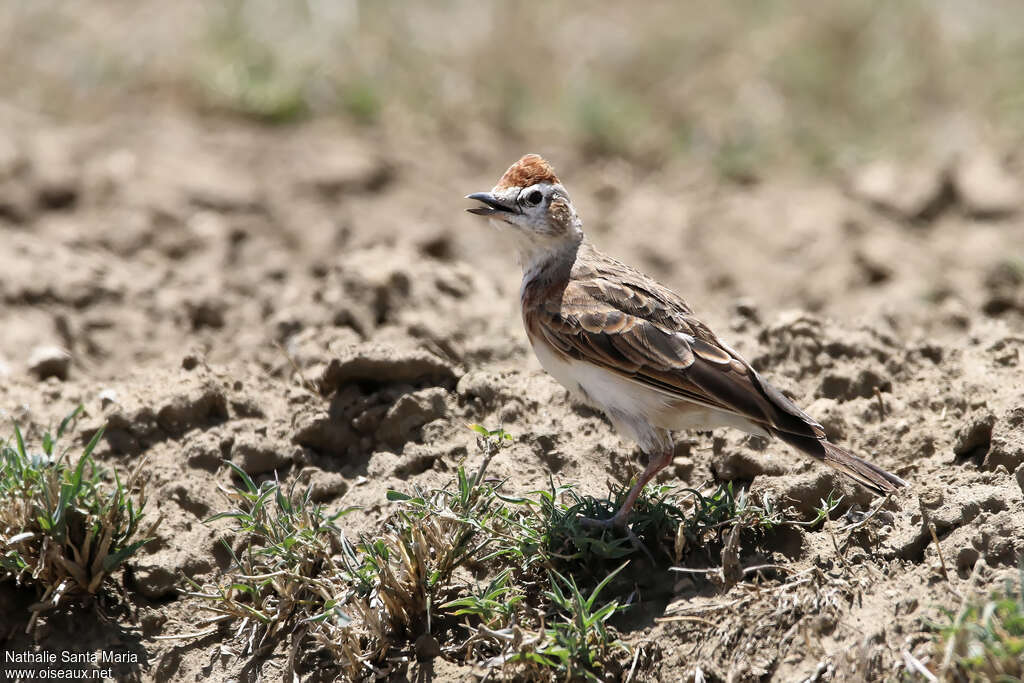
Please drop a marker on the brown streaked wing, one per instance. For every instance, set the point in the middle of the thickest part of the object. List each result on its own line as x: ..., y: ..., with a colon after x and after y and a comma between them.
x: 635, y: 299
x: 607, y: 324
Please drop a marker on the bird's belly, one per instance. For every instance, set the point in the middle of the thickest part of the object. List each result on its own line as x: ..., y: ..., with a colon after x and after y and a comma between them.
x: 615, y: 394
x: 605, y: 389
x: 567, y: 372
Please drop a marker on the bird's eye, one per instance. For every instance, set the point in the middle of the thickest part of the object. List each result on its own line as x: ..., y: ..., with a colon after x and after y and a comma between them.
x: 534, y: 198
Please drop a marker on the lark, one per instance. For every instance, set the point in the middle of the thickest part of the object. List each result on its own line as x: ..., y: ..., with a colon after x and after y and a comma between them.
x: 631, y: 347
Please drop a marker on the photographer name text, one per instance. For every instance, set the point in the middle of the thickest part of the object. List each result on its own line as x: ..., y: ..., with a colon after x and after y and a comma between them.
x: 69, y: 657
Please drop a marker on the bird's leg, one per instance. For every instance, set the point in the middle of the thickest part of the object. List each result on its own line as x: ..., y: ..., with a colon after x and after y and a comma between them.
x: 656, y: 462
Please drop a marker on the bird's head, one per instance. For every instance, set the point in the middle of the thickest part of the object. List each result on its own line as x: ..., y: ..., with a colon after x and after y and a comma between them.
x: 530, y: 200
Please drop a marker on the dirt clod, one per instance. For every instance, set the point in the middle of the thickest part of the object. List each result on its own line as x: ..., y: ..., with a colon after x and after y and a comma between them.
x: 382, y: 364
x: 975, y: 436
x: 258, y: 455
x: 741, y: 462
x: 154, y: 580
x: 864, y: 384
x: 910, y: 192
x: 410, y: 412
x: 49, y: 361
x: 157, y: 575
x: 985, y: 187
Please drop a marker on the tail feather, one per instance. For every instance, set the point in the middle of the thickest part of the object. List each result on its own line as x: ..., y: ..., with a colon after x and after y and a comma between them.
x: 861, y: 471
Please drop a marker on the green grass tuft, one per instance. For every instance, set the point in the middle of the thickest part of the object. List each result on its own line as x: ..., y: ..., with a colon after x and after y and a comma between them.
x: 285, y: 566
x: 985, y: 640
x: 64, y: 528
x: 464, y: 571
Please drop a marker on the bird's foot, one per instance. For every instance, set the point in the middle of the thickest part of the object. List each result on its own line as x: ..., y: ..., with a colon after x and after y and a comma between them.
x: 619, y: 523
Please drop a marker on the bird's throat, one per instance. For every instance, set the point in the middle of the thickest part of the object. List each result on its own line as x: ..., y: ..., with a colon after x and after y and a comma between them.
x: 538, y: 257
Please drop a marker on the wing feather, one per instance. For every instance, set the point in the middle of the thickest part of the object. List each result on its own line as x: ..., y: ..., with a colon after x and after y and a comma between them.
x: 644, y: 332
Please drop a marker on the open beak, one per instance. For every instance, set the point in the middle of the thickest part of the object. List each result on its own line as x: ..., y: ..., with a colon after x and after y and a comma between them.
x: 492, y: 207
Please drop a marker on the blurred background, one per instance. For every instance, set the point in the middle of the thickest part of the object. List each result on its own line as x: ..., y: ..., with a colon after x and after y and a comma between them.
x: 728, y: 85
x: 860, y: 159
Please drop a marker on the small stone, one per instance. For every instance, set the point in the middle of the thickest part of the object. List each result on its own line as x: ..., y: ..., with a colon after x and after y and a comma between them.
x: 107, y: 397
x: 300, y: 456
x: 247, y: 406
x: 49, y: 361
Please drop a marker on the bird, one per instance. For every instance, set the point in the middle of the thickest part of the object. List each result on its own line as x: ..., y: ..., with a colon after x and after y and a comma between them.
x: 631, y: 347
